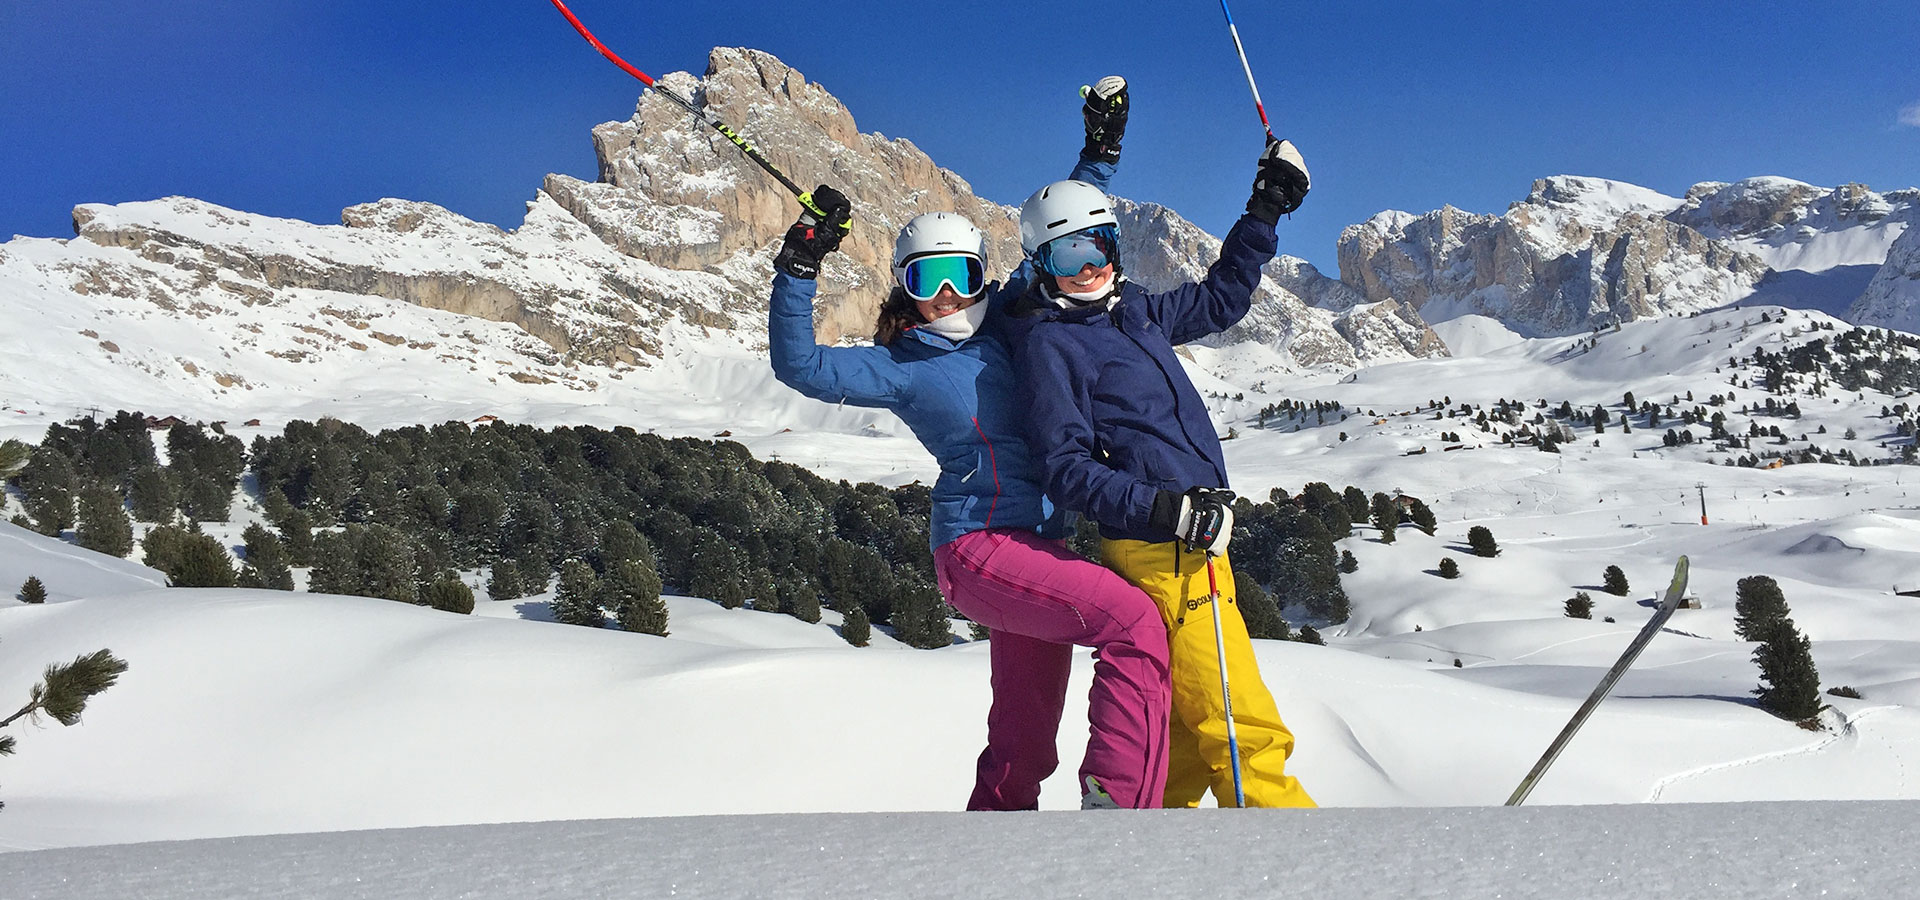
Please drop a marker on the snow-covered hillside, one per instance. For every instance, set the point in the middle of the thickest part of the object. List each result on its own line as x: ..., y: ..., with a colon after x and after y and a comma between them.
x: 399, y: 715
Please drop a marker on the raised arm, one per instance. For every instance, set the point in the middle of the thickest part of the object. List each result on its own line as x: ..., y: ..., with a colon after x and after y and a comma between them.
x: 866, y: 376
x: 1214, y: 304
x: 1105, y: 113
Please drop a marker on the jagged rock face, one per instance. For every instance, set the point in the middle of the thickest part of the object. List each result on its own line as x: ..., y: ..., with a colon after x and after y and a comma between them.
x: 551, y: 277
x: 1892, y: 299
x: 1161, y: 250
x: 1577, y: 253
x: 1794, y: 225
x: 674, y: 192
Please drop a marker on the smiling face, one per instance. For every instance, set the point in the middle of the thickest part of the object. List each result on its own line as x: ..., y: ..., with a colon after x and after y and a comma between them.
x: 1089, y: 280
x: 945, y: 303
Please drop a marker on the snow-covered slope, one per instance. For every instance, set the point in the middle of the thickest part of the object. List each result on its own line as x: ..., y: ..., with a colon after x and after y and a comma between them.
x: 258, y: 712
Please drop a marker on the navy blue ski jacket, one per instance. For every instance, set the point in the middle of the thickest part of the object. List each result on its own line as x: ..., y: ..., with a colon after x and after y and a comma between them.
x: 1113, y: 413
x: 959, y: 399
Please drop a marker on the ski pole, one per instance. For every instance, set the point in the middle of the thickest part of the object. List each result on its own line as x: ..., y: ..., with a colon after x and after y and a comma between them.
x: 1257, y: 105
x: 1226, y: 693
x: 806, y: 197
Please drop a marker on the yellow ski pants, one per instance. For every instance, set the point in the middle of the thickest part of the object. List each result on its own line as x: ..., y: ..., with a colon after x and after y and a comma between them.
x: 1197, y: 756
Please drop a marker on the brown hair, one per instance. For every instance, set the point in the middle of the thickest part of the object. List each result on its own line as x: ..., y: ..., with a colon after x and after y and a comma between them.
x: 897, y: 314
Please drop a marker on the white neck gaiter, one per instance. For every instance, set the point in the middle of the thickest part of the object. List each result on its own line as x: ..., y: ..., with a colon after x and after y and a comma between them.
x: 960, y: 325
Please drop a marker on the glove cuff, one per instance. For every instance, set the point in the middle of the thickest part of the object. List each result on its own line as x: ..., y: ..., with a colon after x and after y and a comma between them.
x: 1264, y: 209
x: 1168, y: 509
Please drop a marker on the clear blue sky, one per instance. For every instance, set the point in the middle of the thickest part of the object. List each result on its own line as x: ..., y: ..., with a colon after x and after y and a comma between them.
x: 298, y: 108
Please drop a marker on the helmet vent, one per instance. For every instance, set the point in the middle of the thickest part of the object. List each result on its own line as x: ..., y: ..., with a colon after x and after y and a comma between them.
x: 1056, y: 224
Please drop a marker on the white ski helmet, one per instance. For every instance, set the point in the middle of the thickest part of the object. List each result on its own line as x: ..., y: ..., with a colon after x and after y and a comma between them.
x: 1062, y: 208
x: 937, y: 232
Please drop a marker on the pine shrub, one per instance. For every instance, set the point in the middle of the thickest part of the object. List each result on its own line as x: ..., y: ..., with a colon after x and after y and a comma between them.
x: 1348, y: 565
x: 266, y: 564
x: 103, y: 526
x: 1449, y: 568
x: 920, y: 617
x: 1385, y: 516
x: 1580, y: 606
x: 1844, y: 691
x: 1757, y: 604
x: 633, y: 590
x: 1257, y: 608
x: 576, y: 602
x: 449, y: 594
x: 1358, y: 507
x: 503, y: 581
x: 1423, y: 517
x: 1480, y: 541
x: 32, y: 591
x: 855, y: 627
x: 1310, y: 635
x: 1789, y: 684
x: 1614, y: 581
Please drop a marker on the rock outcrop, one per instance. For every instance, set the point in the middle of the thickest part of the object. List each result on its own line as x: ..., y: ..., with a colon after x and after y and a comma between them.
x: 1892, y: 299
x: 1576, y: 254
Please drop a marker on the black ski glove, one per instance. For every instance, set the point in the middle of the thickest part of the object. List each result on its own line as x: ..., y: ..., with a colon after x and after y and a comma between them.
x: 1281, y: 183
x: 826, y: 218
x: 1106, y: 115
x: 1202, y: 518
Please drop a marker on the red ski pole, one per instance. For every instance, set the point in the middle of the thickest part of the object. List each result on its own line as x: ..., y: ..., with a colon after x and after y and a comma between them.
x: 1257, y: 105
x: 806, y: 198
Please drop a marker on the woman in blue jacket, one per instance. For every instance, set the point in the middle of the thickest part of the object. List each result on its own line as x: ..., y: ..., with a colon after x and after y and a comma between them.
x: 997, y: 540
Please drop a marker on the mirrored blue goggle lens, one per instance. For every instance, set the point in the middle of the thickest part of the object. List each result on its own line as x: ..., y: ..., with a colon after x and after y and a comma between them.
x: 1066, y: 256
x: 925, y: 275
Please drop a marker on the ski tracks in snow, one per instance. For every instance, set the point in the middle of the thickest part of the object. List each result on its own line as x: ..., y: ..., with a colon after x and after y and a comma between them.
x: 1848, y: 730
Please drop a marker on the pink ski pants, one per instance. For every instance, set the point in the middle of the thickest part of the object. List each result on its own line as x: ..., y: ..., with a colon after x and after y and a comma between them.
x: 1039, y: 599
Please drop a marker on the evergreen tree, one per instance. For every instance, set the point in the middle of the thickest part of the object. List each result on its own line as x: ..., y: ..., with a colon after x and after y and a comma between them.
x: 576, y: 602
x: 1480, y: 540
x: 855, y: 627
x: 1422, y: 517
x: 1757, y: 604
x: 448, y: 593
x: 1356, y: 502
x: 1258, y: 609
x: 632, y: 589
x: 33, y: 591
x: 161, y: 548
x: 296, y: 535
x: 48, y: 480
x: 334, y: 570
x: 1310, y: 635
x: 622, y: 542
x: 1790, y: 686
x: 202, y: 562
x: 1580, y: 606
x: 1385, y: 516
x: 536, y: 574
x: 151, y: 491
x: 503, y: 581
x: 920, y: 616
x: 1614, y: 581
x: 1449, y: 568
x: 266, y: 562
x: 388, y: 564
x: 800, y: 598
x: 1348, y: 564
x: 103, y: 525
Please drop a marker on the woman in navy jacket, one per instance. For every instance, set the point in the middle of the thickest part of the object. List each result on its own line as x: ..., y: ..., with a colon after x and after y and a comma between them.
x: 1127, y: 442
x: 997, y: 539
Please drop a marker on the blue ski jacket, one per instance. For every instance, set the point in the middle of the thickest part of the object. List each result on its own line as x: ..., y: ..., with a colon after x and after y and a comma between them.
x: 959, y: 399
x: 1106, y: 400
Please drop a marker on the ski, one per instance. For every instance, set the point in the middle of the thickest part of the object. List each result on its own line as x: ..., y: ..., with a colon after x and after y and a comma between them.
x: 1668, y: 604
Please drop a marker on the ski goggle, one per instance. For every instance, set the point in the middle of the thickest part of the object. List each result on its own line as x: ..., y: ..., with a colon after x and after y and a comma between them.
x: 923, y: 276
x: 1065, y: 256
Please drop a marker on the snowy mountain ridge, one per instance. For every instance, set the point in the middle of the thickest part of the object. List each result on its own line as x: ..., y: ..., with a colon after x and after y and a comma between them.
x: 1582, y: 252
